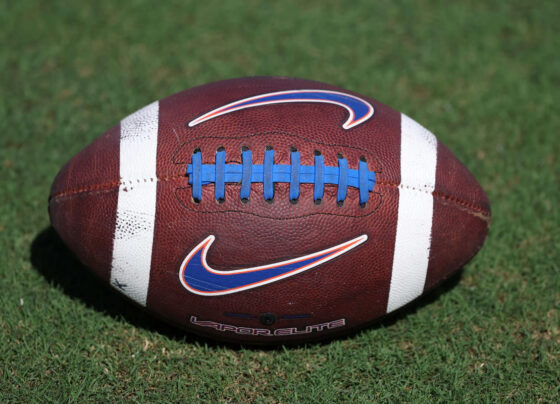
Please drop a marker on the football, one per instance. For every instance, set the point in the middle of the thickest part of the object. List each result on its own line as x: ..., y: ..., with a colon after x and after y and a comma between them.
x: 269, y: 210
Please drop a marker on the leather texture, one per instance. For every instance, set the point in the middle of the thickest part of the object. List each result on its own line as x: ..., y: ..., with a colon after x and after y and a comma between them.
x: 353, y: 286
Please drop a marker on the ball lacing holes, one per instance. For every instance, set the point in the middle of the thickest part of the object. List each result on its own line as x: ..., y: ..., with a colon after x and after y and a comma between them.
x: 319, y: 166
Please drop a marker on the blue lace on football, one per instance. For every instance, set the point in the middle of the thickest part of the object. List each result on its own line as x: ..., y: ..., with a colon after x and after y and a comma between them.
x: 269, y: 173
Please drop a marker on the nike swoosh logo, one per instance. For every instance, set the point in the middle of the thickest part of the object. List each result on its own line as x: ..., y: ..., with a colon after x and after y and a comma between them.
x: 359, y: 110
x: 199, y: 278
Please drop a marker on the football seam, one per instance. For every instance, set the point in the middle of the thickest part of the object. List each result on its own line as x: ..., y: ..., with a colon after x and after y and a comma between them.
x: 468, y: 207
x: 471, y: 208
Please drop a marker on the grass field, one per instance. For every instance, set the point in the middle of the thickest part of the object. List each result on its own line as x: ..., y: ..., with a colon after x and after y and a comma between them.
x: 483, y: 76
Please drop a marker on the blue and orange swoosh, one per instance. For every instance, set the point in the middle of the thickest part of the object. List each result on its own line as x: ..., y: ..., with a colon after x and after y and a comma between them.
x: 359, y: 109
x: 198, y: 277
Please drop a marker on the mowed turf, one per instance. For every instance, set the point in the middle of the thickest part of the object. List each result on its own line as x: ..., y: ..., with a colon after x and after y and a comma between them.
x: 483, y: 76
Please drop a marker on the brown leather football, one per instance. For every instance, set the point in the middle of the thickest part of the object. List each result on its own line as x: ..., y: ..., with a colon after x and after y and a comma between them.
x: 269, y: 210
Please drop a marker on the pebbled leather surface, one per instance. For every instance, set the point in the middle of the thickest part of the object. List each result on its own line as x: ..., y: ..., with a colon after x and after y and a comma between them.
x: 354, y: 286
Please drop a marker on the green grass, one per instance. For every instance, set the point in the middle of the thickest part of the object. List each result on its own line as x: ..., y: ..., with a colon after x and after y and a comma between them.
x: 484, y: 76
